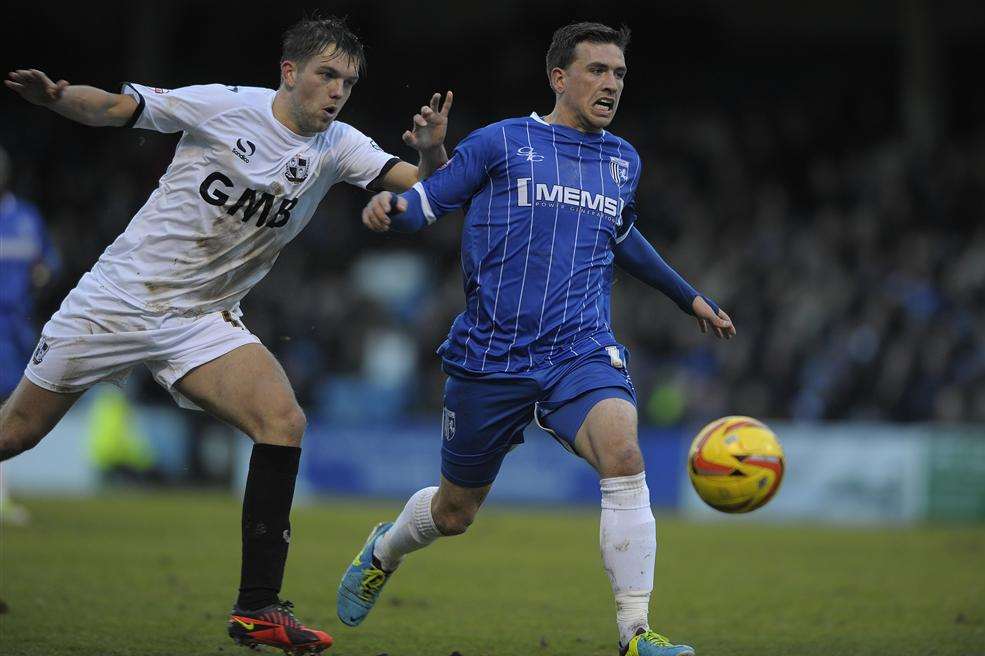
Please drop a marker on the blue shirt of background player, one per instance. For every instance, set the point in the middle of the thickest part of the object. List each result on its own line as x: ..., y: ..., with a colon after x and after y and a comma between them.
x: 24, y: 245
x: 544, y: 206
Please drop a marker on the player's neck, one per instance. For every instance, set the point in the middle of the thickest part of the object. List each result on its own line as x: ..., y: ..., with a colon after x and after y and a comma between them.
x: 282, y: 112
x: 563, y: 116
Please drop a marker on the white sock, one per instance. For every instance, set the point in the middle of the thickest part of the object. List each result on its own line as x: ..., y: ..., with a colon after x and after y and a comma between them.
x: 628, y: 538
x: 413, y: 530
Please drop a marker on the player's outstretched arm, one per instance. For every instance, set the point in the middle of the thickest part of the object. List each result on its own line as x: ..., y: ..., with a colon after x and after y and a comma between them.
x: 635, y: 255
x: 427, y: 137
x: 387, y: 211
x: 449, y: 189
x: 715, y: 317
x: 86, y: 105
x: 428, y: 134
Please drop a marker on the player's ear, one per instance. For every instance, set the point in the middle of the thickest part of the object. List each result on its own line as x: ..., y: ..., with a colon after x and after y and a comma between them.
x: 288, y: 73
x: 557, y: 80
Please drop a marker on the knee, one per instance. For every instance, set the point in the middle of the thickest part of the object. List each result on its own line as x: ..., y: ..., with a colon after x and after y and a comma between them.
x: 284, y: 425
x: 454, y: 520
x: 622, y: 459
x: 17, y: 434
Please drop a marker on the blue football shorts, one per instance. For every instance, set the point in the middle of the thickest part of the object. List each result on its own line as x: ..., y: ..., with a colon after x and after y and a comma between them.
x: 484, y: 416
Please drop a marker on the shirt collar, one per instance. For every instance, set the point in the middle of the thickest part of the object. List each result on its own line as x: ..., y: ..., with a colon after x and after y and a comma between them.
x: 535, y: 116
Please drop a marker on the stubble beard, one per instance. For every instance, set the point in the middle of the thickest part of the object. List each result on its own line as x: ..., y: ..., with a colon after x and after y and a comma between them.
x: 307, y: 124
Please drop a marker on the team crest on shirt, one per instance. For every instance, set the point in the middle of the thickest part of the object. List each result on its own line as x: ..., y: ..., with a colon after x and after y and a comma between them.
x: 619, y: 168
x: 447, y: 424
x: 297, y: 169
x: 40, y: 352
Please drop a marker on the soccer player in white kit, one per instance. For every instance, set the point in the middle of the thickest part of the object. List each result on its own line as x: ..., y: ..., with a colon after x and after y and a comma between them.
x: 248, y: 172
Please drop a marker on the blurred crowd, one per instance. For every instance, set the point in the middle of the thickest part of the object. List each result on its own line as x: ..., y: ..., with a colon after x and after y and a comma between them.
x: 855, y: 273
x: 856, y: 276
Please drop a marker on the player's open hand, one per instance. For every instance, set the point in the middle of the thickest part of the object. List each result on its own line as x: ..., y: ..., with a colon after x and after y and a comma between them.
x: 720, y: 323
x: 430, y: 125
x: 34, y: 86
x: 376, y: 214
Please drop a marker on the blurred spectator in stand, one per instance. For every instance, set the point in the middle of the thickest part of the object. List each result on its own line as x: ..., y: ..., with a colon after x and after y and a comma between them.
x: 28, y: 262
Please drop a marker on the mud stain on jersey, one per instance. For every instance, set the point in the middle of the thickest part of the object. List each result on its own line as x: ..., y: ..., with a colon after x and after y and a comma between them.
x: 160, y: 305
x: 224, y: 239
x: 249, y: 266
x: 206, y: 244
x: 214, y: 246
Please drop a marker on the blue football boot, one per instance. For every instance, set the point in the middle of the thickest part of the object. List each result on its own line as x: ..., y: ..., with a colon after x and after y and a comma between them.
x: 651, y: 643
x: 362, y: 582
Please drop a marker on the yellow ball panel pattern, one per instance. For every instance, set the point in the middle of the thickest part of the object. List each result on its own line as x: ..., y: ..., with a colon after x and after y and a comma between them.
x: 736, y: 464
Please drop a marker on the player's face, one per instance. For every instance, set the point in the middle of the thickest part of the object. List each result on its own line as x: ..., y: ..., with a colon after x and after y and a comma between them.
x: 321, y: 88
x: 592, y: 84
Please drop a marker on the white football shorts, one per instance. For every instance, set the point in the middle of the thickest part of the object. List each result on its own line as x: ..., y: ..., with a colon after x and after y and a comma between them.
x: 95, y: 337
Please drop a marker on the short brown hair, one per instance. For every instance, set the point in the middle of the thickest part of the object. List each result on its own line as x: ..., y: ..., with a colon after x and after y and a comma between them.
x: 309, y: 36
x: 562, y: 50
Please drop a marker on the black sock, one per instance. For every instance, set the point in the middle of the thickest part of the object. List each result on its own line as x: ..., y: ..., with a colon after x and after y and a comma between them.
x: 267, y: 523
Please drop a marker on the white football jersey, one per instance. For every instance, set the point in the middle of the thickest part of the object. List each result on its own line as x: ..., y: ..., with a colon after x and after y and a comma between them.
x: 240, y: 187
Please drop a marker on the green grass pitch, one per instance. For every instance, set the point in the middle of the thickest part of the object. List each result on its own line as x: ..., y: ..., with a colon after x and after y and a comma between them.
x: 146, y: 575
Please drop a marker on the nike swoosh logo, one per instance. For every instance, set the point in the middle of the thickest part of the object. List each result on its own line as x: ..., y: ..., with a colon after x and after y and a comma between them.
x: 245, y: 625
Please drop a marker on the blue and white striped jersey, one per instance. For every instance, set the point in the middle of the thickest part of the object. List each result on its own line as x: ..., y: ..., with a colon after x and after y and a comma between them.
x: 544, y: 206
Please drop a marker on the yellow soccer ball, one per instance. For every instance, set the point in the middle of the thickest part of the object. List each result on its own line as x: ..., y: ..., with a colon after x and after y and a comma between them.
x: 735, y: 464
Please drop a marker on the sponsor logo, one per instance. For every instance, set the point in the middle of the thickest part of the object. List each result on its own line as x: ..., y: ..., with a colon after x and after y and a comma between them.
x: 619, y: 169
x: 447, y: 424
x: 529, y: 154
x: 244, y: 149
x: 234, y: 89
x: 40, y: 352
x: 287, y: 535
x: 249, y: 626
x: 297, y: 169
x: 160, y: 90
x: 375, y: 145
x: 544, y: 194
x: 252, y: 202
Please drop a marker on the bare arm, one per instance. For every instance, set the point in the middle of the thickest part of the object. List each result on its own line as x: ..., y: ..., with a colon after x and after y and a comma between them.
x: 403, y: 175
x: 427, y: 137
x: 430, y: 161
x: 86, y: 105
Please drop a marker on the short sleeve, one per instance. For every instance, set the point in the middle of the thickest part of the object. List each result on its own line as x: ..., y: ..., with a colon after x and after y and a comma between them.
x: 178, y: 110
x: 631, y: 209
x: 464, y: 174
x: 361, y: 161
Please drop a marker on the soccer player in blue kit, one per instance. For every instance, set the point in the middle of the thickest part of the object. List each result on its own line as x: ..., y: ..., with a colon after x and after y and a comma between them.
x: 550, y: 205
